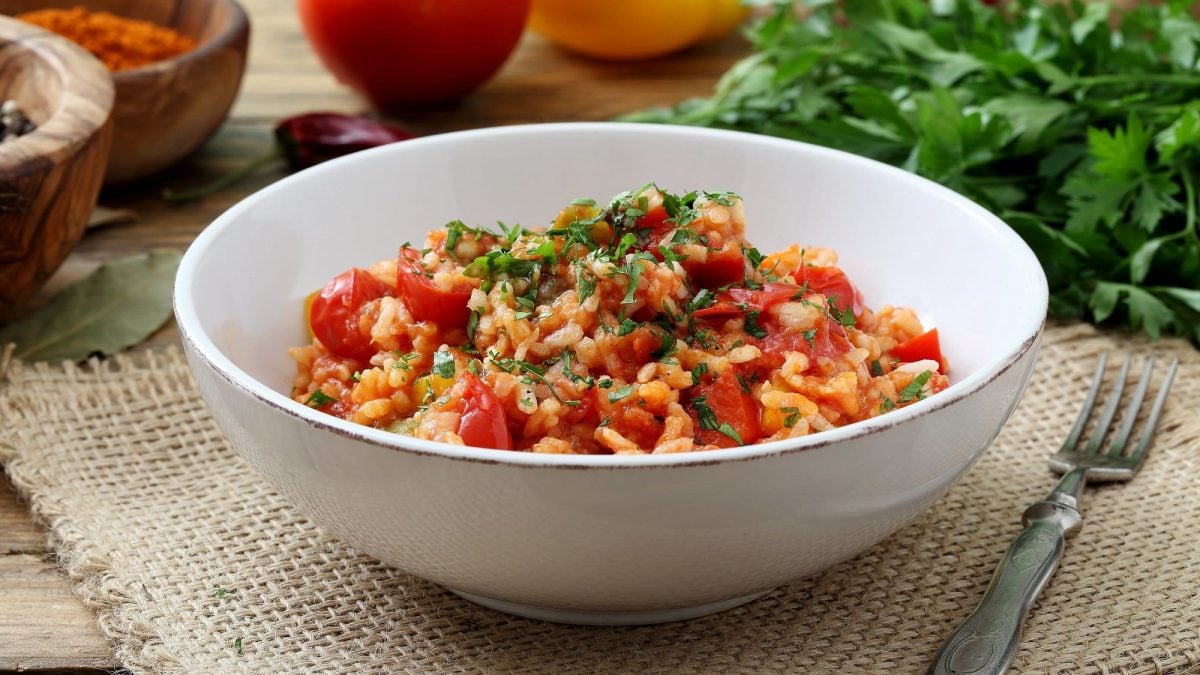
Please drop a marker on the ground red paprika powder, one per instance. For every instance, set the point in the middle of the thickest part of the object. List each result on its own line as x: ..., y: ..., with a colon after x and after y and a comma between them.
x: 119, y: 42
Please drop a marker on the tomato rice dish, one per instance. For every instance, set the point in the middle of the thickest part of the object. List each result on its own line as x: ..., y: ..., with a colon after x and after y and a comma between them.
x: 644, y: 324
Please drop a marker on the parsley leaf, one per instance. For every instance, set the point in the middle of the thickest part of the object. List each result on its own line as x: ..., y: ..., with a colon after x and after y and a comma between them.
x: 914, y: 388
x: 443, y: 364
x: 618, y: 394
x: 318, y: 398
x: 729, y: 431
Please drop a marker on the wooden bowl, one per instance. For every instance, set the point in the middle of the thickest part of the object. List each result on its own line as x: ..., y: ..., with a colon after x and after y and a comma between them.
x: 165, y: 111
x: 49, y: 178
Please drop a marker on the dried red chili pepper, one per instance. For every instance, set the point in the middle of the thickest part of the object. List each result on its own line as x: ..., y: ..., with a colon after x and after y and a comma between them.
x: 303, y: 141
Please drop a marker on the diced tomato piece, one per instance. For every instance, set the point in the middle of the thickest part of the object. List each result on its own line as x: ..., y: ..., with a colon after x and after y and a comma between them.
x: 731, y: 405
x: 724, y: 267
x: 483, y: 423
x: 427, y: 302
x: 655, y: 220
x: 729, y: 303
x: 924, y: 346
x: 832, y: 282
x: 829, y: 340
x: 335, y: 313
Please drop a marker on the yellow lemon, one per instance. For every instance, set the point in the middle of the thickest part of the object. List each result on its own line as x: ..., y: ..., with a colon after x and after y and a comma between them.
x: 622, y: 29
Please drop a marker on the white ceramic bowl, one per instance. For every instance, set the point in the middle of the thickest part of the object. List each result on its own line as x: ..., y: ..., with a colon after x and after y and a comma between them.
x: 605, y: 539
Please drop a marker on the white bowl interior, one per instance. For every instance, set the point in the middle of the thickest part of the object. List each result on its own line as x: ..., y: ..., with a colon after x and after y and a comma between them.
x: 902, y: 240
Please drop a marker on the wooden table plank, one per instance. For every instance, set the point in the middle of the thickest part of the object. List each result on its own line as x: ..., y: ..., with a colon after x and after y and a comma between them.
x: 18, y: 535
x: 43, y: 627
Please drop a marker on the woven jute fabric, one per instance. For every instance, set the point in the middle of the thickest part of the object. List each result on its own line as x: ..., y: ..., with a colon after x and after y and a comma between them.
x: 193, y: 564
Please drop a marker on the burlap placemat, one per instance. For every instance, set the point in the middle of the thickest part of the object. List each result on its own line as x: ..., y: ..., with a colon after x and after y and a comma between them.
x: 193, y: 564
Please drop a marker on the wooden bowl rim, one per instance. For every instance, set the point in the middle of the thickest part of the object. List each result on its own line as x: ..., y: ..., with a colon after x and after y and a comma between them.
x: 237, y: 26
x: 70, y: 124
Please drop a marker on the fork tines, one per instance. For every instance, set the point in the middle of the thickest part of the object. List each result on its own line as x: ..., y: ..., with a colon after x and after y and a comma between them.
x: 1115, y: 456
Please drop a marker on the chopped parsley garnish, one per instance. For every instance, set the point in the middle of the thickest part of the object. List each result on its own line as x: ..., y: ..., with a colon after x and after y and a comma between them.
x: 810, y: 336
x: 585, y: 283
x: 729, y: 431
x: 535, y: 372
x: 455, y: 230
x: 705, y: 414
x: 668, y: 346
x: 356, y: 376
x: 914, y: 389
x: 703, y: 298
x: 318, y: 398
x: 221, y: 592
x: 237, y: 646
x: 697, y: 371
x: 845, y: 318
x: 886, y: 405
x: 754, y: 256
x: 404, y: 361
x: 606, y: 383
x: 628, y: 239
x: 793, y: 416
x: 634, y: 272
x: 876, y: 368
x: 751, y: 324
x: 743, y: 384
x: 443, y: 364
x: 473, y: 323
x: 566, y: 360
x: 670, y: 256
x: 626, y: 327
x: 619, y: 394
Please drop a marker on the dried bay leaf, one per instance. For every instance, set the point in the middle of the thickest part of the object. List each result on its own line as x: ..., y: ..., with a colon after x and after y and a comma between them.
x: 117, y: 306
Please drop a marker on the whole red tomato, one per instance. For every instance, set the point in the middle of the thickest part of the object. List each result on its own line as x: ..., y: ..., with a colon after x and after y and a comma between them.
x: 411, y: 52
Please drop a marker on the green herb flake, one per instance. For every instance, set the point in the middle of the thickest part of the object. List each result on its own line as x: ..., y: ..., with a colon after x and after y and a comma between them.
x: 698, y: 371
x: 237, y: 646
x: 810, y: 336
x: 876, y: 368
x: 443, y: 364
x: 318, y: 398
x: 915, y: 388
x: 618, y: 394
x: 793, y: 416
x: 221, y: 592
x: 751, y: 325
x: 704, y: 413
x: 886, y: 405
x: 729, y: 431
x: 473, y: 324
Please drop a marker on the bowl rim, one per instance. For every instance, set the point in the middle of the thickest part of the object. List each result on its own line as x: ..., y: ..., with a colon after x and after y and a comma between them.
x: 202, y: 346
x: 83, y: 78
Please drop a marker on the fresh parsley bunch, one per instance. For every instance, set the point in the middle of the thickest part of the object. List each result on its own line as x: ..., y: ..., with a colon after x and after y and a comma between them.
x: 1083, y: 136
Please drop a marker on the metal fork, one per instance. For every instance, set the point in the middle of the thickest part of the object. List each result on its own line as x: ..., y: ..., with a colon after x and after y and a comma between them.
x: 987, y: 640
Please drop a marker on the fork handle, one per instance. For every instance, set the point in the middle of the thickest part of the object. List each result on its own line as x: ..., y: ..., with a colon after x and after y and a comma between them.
x: 987, y: 640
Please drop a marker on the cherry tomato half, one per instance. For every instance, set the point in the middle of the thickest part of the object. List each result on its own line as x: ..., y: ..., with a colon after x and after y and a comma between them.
x: 723, y: 267
x: 427, y: 302
x: 729, y: 303
x: 924, y: 346
x: 483, y: 423
x: 335, y: 316
x: 833, y: 283
x: 731, y: 405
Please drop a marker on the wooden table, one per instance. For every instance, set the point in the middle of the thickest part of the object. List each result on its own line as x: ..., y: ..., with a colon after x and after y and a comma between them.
x: 43, y: 626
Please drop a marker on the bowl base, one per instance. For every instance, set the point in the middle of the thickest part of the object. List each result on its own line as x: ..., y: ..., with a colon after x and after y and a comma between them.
x: 585, y: 618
